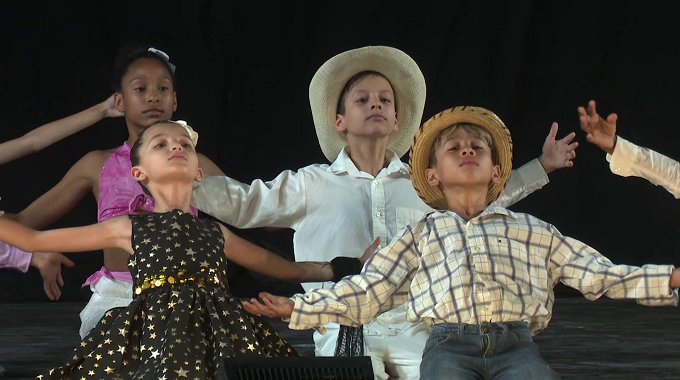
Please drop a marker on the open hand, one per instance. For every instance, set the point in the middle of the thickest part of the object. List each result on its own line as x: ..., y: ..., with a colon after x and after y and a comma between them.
x: 601, y: 132
x: 557, y: 154
x: 273, y: 306
x: 111, y: 108
x: 49, y: 264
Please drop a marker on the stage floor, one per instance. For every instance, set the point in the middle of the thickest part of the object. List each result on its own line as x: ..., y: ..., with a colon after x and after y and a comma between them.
x: 604, y: 339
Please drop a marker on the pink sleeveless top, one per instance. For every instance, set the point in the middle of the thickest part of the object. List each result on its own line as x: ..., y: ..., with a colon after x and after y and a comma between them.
x: 120, y: 194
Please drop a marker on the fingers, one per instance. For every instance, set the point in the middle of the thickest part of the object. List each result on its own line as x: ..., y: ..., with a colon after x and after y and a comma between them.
x: 65, y: 261
x: 48, y: 290
x: 375, y: 244
x: 567, y: 139
x: 611, y: 119
x: 553, y: 132
x: 60, y: 280
x: 591, y: 108
x: 571, y: 149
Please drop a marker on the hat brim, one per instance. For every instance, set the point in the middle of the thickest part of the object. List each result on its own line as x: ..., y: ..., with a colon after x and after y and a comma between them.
x: 400, y: 70
x: 427, y: 134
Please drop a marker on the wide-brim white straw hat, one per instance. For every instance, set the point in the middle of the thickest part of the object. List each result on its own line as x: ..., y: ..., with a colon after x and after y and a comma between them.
x: 400, y: 70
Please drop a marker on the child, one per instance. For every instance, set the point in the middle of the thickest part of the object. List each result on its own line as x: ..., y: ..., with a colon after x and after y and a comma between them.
x: 144, y: 92
x: 182, y: 320
x: 480, y: 275
x: 627, y: 159
x: 366, y: 104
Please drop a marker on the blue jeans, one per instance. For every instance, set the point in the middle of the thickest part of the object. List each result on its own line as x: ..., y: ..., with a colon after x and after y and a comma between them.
x: 487, y: 351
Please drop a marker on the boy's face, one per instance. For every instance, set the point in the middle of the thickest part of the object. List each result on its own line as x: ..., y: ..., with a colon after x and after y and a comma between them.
x: 167, y: 154
x: 369, y: 109
x: 148, y: 94
x: 463, y: 159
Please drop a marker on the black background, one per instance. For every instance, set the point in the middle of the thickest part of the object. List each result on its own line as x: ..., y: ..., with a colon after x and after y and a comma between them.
x: 243, y: 71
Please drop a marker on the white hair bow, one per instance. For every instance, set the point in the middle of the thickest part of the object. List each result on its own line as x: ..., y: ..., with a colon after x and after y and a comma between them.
x: 193, y: 134
x: 164, y: 56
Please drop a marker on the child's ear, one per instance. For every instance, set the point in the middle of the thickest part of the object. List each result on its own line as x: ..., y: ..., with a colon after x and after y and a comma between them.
x: 396, y: 123
x: 431, y: 177
x: 174, y: 103
x: 118, y: 101
x: 340, y: 123
x: 138, y: 173
x: 199, y: 175
x: 496, y: 174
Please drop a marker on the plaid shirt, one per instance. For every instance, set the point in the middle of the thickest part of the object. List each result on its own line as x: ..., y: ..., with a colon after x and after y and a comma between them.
x: 500, y: 266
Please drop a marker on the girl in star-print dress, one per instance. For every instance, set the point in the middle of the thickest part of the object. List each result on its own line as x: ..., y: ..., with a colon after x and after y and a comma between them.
x: 183, y: 320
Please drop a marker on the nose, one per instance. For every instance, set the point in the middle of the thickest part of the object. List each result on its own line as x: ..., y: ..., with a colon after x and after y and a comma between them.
x: 467, y: 151
x: 376, y: 104
x: 177, y: 146
x: 154, y: 96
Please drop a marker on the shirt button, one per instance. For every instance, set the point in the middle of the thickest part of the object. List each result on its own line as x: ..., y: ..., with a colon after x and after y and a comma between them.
x: 376, y: 182
x: 486, y: 308
x: 377, y: 214
x: 476, y: 249
x: 469, y: 225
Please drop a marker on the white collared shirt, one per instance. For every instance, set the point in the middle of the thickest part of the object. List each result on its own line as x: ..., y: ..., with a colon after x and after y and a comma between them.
x: 629, y: 159
x: 336, y: 210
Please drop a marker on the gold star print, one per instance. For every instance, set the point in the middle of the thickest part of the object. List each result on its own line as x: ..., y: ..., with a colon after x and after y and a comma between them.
x: 107, y: 341
x: 83, y: 344
x: 98, y: 357
x: 176, y: 226
x: 205, y: 264
x: 150, y: 327
x: 190, y: 252
x: 153, y: 335
x: 233, y: 337
x: 110, y: 352
x: 251, y: 347
x: 146, y: 241
x: 181, y: 372
x: 91, y: 373
x: 108, y: 370
x: 121, y: 349
x: 150, y: 224
x: 155, y: 247
x: 154, y: 354
x: 182, y: 263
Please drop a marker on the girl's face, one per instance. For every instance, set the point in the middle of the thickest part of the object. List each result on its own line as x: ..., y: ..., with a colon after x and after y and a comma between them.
x: 148, y: 94
x: 167, y: 155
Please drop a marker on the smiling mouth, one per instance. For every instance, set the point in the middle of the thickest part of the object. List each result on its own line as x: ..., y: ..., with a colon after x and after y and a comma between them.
x: 376, y: 116
x: 155, y: 111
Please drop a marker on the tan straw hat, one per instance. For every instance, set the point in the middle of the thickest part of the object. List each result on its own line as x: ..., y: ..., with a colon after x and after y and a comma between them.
x: 427, y: 134
x: 403, y: 74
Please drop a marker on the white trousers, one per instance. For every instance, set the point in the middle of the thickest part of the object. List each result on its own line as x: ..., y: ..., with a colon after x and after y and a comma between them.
x: 106, y: 295
x: 393, y: 356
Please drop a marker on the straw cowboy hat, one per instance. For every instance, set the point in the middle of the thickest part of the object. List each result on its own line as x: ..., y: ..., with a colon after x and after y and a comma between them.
x: 400, y: 70
x: 427, y: 134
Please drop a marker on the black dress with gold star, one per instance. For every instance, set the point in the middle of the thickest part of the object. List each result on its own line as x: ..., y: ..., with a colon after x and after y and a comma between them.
x: 182, y: 320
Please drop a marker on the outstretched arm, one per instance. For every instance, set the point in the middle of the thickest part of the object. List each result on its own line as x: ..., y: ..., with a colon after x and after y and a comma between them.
x: 112, y: 233
x: 533, y: 175
x: 260, y: 260
x: 50, y: 133
x: 625, y: 158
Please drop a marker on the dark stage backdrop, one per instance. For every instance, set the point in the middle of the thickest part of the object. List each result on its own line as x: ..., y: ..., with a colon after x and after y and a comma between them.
x: 243, y: 71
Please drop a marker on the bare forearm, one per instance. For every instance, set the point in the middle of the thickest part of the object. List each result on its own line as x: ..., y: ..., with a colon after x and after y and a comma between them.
x: 314, y: 271
x: 675, y: 279
x: 50, y: 133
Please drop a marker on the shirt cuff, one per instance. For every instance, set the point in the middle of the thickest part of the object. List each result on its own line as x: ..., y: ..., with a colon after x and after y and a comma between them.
x: 622, y: 160
x: 533, y: 173
x: 13, y: 257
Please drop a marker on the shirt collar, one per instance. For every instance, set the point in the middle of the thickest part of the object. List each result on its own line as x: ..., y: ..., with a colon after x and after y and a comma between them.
x: 343, y: 164
x: 488, y: 212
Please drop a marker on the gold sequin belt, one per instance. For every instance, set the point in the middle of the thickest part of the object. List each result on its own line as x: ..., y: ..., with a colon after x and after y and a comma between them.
x: 205, y: 276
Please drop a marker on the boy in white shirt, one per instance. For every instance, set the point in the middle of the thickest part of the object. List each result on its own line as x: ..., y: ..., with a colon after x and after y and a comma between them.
x: 481, y: 275
x: 367, y: 105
